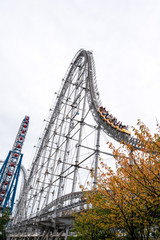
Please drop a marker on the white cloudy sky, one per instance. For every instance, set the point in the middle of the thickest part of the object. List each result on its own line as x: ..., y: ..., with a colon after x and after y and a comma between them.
x: 38, y: 39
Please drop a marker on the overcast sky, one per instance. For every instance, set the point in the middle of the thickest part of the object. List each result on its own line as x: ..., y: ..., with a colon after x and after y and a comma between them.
x: 39, y: 38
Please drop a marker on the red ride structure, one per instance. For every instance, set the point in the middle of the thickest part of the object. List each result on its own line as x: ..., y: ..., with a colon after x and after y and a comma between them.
x: 9, y: 172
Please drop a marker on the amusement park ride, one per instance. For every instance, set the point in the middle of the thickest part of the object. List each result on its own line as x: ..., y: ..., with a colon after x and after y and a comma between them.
x: 10, y: 170
x: 66, y: 157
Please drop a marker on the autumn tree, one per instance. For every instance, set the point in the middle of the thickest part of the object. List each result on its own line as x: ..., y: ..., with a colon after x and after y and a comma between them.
x: 88, y: 224
x: 127, y: 202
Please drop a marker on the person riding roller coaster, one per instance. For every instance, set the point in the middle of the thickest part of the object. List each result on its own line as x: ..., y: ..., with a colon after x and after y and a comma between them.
x: 112, y: 121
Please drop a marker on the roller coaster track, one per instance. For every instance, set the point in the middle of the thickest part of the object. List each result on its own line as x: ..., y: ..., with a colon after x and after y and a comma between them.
x: 52, y: 191
x: 95, y: 102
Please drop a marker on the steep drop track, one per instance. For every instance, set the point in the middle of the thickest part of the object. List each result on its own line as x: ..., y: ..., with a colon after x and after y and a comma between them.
x: 95, y: 102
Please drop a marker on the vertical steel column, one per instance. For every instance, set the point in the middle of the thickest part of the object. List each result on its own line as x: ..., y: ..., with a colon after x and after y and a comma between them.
x: 66, y: 148
x: 53, y: 166
x: 65, y: 155
x: 78, y: 144
x: 78, y: 82
x: 96, y: 155
x: 66, y: 234
x: 36, y: 184
x: 48, y: 161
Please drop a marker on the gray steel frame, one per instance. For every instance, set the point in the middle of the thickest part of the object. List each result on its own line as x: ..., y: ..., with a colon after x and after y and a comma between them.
x: 37, y: 211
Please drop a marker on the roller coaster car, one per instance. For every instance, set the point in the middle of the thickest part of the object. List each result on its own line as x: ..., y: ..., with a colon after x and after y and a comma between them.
x: 125, y: 131
x: 119, y: 129
x: 103, y: 116
x: 112, y: 125
x: 107, y: 120
x: 100, y: 112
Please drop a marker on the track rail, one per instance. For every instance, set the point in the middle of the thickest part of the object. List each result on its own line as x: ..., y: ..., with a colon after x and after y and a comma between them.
x: 95, y: 102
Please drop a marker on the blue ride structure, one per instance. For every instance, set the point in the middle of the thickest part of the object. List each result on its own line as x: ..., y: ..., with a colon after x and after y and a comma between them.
x: 10, y: 170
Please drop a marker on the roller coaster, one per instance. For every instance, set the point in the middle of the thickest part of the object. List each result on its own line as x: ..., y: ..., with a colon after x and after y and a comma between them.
x: 66, y: 156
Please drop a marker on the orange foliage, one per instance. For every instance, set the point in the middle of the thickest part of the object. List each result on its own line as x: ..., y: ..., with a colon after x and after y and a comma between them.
x: 128, y: 202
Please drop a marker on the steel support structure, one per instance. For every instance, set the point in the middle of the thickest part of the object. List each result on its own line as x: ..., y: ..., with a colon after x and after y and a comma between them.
x: 67, y: 154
